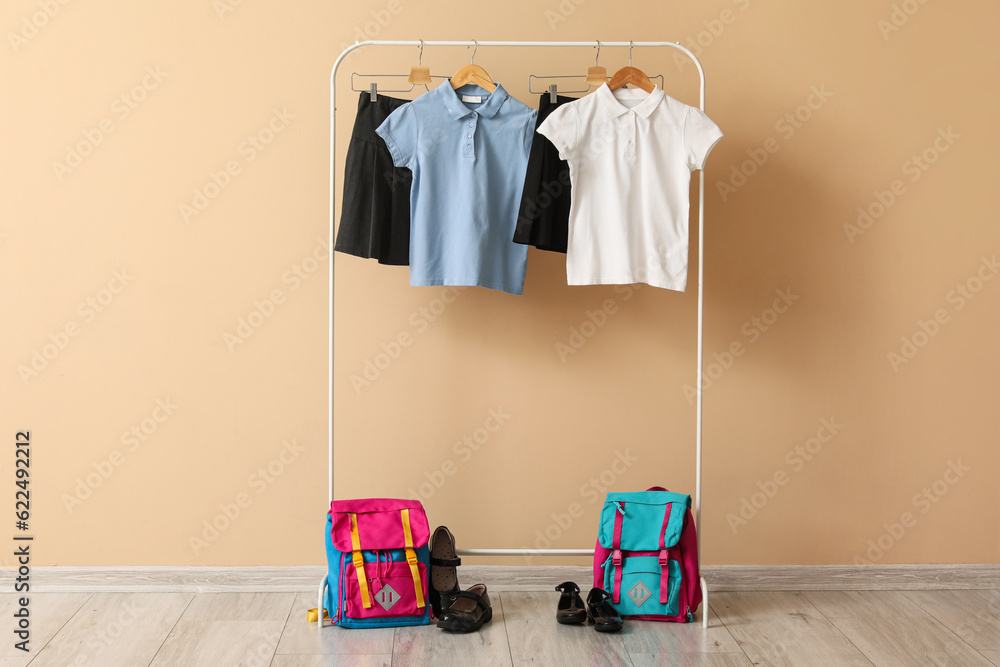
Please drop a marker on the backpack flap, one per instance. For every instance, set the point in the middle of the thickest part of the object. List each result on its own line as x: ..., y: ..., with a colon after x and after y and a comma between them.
x: 379, y: 523
x: 645, y: 521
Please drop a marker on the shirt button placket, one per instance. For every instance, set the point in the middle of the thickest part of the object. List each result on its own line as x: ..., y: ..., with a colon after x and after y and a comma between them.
x: 470, y: 139
x: 630, y: 145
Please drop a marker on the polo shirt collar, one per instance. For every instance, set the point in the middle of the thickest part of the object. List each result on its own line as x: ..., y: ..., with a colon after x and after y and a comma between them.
x: 616, y: 108
x: 458, y: 110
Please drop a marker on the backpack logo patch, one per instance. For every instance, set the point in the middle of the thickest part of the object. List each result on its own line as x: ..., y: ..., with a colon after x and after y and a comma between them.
x: 387, y: 597
x: 639, y: 594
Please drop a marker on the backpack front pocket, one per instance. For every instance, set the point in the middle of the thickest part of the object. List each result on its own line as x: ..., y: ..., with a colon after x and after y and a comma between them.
x: 641, y: 582
x: 392, y: 591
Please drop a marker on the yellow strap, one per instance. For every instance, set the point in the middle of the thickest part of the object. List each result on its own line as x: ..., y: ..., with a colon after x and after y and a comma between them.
x: 312, y: 615
x: 359, y: 563
x: 411, y: 558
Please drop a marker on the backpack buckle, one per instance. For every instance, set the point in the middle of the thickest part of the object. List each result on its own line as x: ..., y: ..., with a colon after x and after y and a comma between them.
x: 616, y: 557
x: 663, y: 558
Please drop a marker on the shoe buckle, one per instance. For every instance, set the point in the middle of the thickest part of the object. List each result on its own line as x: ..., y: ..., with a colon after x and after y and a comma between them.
x: 616, y: 557
x: 663, y: 558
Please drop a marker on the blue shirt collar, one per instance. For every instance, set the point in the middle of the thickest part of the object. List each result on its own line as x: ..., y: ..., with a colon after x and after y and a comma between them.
x: 458, y: 110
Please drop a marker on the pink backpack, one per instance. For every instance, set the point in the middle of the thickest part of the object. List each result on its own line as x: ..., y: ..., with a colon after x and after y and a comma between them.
x: 647, y: 555
x: 378, y: 563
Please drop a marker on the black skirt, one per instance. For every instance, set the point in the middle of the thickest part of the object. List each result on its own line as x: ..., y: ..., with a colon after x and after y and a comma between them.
x: 375, y: 217
x: 543, y: 218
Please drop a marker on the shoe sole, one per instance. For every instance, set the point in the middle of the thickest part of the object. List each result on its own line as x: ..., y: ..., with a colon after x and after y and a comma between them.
x: 485, y: 618
x: 572, y: 620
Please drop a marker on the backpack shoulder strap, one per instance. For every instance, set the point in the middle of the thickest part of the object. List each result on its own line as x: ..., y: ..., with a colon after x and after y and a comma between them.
x: 411, y: 558
x: 359, y: 562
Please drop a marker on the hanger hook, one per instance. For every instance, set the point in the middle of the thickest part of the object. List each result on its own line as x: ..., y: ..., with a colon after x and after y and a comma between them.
x: 630, y: 53
x: 473, y: 61
x: 420, y: 58
x: 597, y: 58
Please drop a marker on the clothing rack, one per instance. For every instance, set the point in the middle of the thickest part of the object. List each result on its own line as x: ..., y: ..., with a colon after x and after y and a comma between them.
x: 701, y: 275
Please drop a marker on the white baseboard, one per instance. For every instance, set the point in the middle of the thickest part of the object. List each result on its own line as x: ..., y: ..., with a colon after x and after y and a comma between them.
x: 517, y: 578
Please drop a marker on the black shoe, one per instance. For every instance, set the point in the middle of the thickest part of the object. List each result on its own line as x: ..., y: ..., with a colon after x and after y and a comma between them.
x: 468, y: 611
x: 444, y: 578
x: 570, y: 610
x: 601, y: 613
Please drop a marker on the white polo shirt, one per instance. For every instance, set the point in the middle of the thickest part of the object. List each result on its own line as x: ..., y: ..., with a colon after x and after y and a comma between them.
x: 630, y: 154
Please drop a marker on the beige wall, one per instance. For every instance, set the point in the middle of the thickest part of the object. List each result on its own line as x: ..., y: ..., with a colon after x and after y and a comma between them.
x: 136, y: 302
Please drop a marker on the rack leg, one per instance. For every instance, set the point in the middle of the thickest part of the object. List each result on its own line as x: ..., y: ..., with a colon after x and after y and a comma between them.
x: 704, y: 603
x: 319, y: 605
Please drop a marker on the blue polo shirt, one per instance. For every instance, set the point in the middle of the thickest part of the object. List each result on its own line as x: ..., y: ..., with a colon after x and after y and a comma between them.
x: 468, y: 151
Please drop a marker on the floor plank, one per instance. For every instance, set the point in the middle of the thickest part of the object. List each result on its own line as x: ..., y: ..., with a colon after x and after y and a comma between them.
x: 217, y: 643
x: 784, y: 629
x: 112, y: 629
x: 972, y: 615
x: 536, y: 638
x: 908, y: 642
x: 423, y: 645
x: 332, y: 660
x: 14, y: 662
x: 992, y: 656
x: 48, y: 612
x: 650, y: 637
x: 257, y: 606
x: 883, y: 604
x: 302, y: 638
x: 227, y: 629
x: 691, y: 660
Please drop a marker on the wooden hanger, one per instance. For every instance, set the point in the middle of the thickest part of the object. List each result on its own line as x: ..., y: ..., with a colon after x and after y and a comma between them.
x: 597, y: 75
x: 473, y: 73
x: 419, y: 73
x: 629, y: 74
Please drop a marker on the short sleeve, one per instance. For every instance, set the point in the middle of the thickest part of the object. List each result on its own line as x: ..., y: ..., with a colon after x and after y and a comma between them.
x: 529, y: 132
x: 562, y: 128
x: 399, y: 131
x: 700, y: 136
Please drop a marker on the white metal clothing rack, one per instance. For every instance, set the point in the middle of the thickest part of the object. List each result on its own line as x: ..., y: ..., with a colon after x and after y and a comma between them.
x: 701, y: 274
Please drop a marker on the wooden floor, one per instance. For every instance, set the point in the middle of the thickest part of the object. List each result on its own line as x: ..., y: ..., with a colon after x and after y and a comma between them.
x: 960, y: 628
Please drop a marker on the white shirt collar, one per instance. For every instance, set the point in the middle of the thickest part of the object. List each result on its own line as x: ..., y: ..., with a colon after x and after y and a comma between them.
x: 614, y: 106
